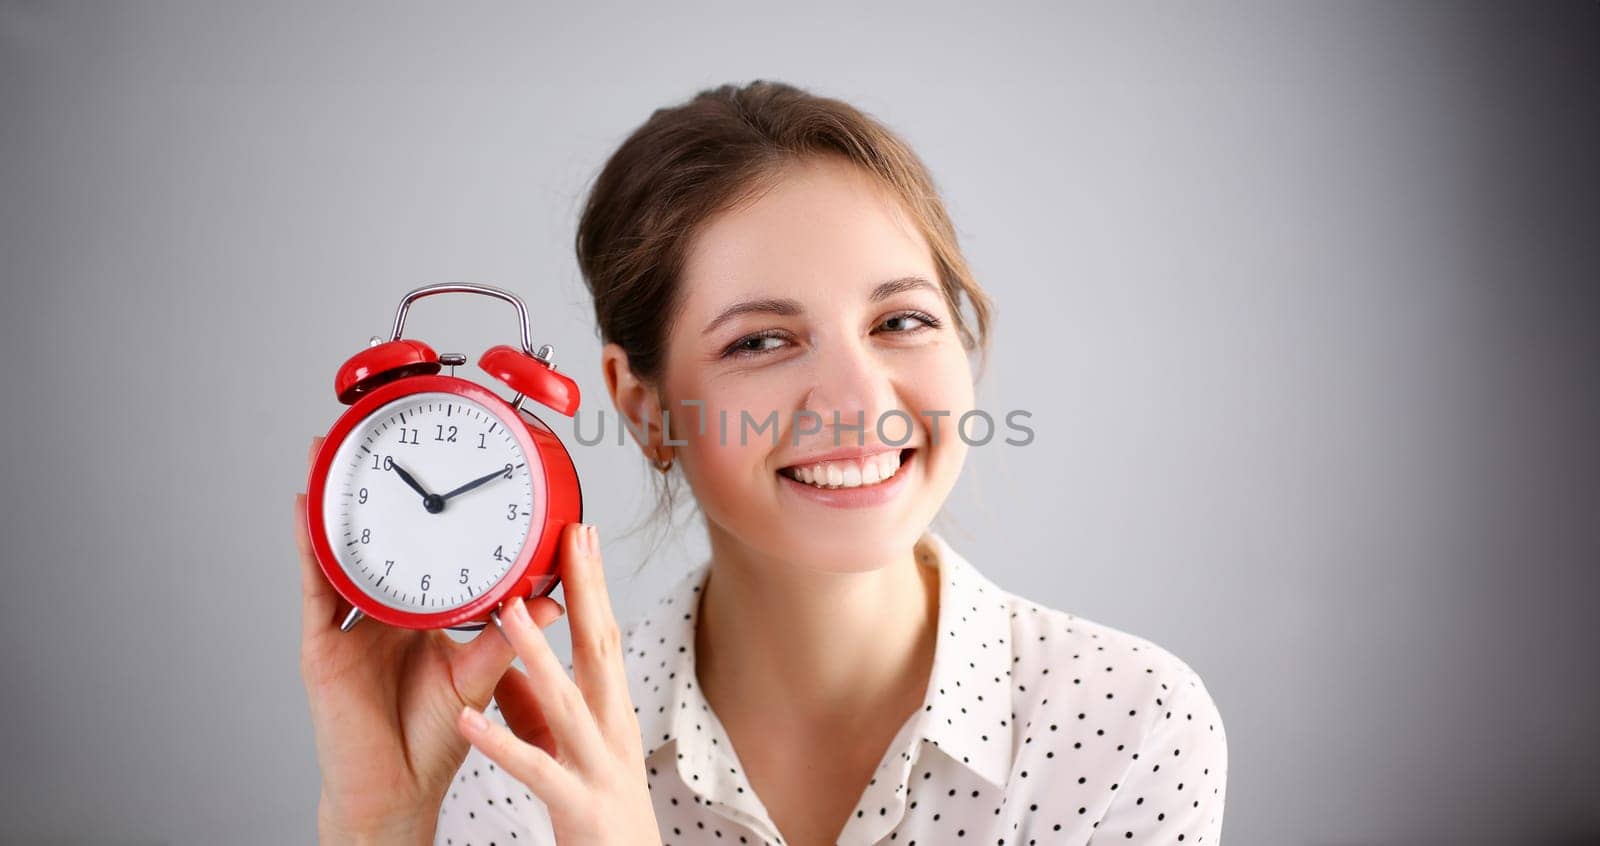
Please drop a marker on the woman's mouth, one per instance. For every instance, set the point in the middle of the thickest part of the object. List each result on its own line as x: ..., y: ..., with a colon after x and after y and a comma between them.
x: 850, y: 473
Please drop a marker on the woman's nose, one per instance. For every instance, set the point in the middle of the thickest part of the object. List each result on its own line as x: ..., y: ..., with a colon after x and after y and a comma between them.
x: 852, y: 387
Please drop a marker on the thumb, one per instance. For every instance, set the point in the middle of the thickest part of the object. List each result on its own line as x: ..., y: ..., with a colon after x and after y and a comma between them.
x: 478, y: 665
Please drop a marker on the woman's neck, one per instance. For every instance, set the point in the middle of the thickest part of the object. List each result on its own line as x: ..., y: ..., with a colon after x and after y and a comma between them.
x: 811, y: 650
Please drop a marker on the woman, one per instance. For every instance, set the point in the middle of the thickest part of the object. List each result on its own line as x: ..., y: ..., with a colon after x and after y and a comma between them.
x: 835, y: 672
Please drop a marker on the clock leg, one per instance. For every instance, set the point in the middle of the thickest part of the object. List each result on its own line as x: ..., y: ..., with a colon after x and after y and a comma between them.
x: 351, y: 619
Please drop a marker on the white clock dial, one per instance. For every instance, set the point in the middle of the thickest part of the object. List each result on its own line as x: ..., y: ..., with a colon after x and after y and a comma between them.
x: 449, y: 533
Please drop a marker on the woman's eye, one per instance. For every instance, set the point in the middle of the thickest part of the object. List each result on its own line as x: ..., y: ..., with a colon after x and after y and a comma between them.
x: 751, y: 345
x: 928, y: 321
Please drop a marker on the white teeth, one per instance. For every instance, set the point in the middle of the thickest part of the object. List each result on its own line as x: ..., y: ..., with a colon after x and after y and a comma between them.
x: 849, y: 473
x: 870, y: 474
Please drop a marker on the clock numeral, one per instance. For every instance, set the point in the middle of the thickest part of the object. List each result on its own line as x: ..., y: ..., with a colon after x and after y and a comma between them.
x: 387, y: 566
x: 498, y: 555
x: 511, y: 511
x: 480, y: 441
x: 388, y: 462
x: 463, y: 579
x: 508, y: 472
x: 442, y: 436
x: 403, y: 431
x: 366, y: 536
x: 362, y: 497
x: 425, y: 580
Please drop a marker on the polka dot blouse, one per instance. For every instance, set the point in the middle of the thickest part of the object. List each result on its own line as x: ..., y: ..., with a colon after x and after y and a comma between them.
x: 1039, y: 727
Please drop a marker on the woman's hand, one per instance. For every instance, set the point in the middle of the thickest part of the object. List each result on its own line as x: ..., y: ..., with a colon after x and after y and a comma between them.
x: 574, y: 743
x: 384, y: 705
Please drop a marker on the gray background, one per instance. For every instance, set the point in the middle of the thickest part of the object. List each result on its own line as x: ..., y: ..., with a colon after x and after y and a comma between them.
x: 1301, y: 298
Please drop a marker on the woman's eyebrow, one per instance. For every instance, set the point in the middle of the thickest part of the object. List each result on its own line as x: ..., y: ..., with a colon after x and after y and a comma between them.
x: 788, y: 307
x: 888, y: 289
x: 767, y: 305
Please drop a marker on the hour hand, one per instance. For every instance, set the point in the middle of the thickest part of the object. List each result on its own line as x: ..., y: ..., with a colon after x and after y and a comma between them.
x: 406, y: 477
x: 478, y: 481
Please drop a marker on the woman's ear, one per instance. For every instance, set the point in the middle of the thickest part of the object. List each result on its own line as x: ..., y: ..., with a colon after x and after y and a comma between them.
x: 635, y: 400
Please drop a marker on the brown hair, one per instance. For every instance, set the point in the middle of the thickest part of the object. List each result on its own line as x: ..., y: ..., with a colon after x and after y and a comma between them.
x: 691, y: 161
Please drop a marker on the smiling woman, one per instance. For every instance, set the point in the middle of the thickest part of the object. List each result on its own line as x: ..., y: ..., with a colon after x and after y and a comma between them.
x: 835, y: 672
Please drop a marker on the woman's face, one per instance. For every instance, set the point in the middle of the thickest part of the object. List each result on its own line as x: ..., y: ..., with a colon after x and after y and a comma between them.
x: 785, y: 311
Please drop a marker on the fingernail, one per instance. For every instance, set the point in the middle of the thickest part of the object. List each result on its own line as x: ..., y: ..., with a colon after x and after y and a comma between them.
x: 517, y: 610
x: 594, y: 539
x: 475, y: 719
x: 584, y: 538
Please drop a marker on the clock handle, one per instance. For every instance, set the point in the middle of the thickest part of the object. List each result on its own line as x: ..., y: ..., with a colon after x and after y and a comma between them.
x: 544, y: 354
x: 464, y: 288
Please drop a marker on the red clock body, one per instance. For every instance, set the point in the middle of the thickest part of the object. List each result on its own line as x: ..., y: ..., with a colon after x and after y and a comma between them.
x: 432, y: 500
x: 354, y: 473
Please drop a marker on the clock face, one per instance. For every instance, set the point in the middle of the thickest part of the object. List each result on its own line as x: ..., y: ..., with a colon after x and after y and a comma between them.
x: 428, y: 502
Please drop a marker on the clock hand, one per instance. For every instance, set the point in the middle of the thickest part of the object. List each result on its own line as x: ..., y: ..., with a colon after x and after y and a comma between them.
x: 476, y: 482
x: 432, y: 503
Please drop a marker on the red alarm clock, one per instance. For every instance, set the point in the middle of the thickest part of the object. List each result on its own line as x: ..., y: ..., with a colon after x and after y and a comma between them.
x: 433, y: 500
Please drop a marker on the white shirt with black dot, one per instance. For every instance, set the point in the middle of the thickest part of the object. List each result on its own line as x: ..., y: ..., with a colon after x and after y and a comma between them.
x: 1039, y: 727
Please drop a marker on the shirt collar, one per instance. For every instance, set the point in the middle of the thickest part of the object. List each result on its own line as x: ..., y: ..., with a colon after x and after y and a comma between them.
x: 966, y: 712
x: 967, y: 709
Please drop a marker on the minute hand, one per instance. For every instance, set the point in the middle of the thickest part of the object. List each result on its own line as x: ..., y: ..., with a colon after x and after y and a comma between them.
x: 476, y: 482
